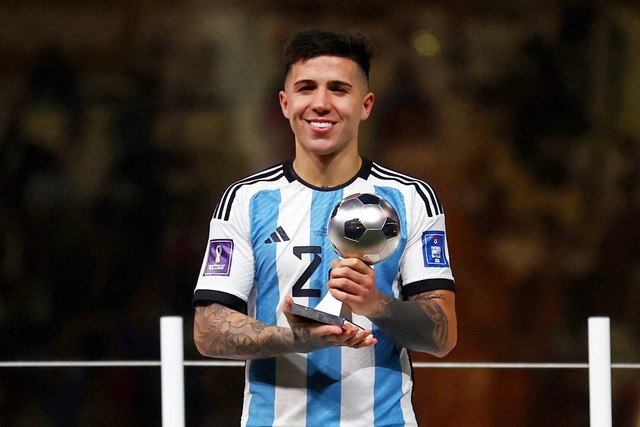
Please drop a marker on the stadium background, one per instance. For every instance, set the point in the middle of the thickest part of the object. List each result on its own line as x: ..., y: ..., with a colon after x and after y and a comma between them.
x: 121, y: 123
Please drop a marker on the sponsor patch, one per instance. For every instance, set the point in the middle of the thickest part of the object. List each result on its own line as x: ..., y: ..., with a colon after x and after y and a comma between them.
x: 219, y: 258
x: 433, y: 249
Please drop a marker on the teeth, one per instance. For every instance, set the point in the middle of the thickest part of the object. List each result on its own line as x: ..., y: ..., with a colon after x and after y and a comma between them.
x: 321, y: 124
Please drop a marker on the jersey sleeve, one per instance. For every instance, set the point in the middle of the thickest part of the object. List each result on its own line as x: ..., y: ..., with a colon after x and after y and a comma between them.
x: 227, y: 270
x: 425, y: 264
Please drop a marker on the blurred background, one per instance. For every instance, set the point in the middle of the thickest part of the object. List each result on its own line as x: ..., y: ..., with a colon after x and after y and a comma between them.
x: 121, y: 123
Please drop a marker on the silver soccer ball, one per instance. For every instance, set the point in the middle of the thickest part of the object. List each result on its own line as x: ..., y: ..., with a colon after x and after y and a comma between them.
x: 364, y: 226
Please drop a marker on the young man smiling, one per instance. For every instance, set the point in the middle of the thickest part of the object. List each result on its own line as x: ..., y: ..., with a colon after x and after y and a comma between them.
x: 325, y: 98
x: 268, y: 245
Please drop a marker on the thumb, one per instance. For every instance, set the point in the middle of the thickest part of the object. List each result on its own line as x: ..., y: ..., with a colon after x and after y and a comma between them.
x: 288, y: 302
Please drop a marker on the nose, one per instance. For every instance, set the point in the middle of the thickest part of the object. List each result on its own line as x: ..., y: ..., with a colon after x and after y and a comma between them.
x: 321, y: 102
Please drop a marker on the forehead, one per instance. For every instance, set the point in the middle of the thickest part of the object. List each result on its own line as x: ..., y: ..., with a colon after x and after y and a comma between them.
x: 326, y: 68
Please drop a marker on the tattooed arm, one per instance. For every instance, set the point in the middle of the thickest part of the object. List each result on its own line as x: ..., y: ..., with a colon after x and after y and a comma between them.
x: 220, y: 331
x: 427, y: 322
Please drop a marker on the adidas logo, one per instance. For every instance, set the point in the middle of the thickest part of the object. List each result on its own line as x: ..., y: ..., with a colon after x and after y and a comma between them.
x: 277, y: 236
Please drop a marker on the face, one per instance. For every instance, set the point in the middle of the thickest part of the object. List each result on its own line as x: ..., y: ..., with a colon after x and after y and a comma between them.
x: 325, y: 98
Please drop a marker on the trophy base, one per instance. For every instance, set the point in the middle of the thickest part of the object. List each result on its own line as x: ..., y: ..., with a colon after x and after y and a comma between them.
x: 319, y: 316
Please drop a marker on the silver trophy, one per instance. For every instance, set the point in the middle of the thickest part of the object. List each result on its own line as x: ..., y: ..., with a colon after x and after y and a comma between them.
x: 363, y: 226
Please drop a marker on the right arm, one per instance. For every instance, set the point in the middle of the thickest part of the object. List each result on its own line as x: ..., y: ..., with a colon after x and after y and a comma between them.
x: 220, y: 331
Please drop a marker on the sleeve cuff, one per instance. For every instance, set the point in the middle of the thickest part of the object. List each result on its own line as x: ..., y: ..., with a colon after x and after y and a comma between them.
x: 428, y: 285
x: 206, y: 297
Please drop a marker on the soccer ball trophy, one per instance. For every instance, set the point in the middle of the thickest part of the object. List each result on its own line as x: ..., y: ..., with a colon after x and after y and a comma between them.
x: 361, y: 226
x: 364, y: 226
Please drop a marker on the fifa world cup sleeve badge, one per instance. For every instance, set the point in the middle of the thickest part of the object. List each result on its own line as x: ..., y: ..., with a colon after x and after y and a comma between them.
x: 433, y: 249
x: 219, y: 257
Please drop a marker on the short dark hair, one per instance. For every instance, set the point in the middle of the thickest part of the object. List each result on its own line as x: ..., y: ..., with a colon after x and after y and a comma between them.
x: 308, y: 44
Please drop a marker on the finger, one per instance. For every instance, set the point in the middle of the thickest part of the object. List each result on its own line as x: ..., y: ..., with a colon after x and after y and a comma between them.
x: 326, y: 331
x: 351, y: 273
x: 368, y: 342
x: 342, y: 294
x: 356, y: 264
x: 349, y: 336
x: 349, y: 283
x: 362, y: 339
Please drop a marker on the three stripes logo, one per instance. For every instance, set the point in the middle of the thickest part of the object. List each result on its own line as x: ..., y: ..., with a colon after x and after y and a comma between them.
x: 277, y: 236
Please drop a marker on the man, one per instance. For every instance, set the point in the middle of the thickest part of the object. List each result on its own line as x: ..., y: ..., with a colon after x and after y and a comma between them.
x: 268, y: 245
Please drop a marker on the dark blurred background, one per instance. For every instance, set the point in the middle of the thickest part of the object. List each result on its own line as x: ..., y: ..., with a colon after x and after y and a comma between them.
x: 121, y: 122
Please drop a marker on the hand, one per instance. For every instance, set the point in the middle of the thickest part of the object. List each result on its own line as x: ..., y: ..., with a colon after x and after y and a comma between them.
x: 311, y: 335
x: 354, y: 337
x: 353, y: 282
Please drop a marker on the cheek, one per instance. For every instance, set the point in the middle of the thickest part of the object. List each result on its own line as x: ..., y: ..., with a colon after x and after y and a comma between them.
x: 351, y: 111
x: 292, y: 110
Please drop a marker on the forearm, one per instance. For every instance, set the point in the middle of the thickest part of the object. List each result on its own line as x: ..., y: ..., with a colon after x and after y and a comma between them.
x: 222, y: 332
x: 426, y: 323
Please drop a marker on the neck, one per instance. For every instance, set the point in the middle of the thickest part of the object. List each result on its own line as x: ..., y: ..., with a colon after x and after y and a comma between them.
x: 327, y: 171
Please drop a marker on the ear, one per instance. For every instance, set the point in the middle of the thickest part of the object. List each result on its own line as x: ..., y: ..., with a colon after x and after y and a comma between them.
x: 367, y: 106
x: 284, y: 103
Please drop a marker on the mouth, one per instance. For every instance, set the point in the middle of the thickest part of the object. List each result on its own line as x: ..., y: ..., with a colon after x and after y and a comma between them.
x: 320, y: 124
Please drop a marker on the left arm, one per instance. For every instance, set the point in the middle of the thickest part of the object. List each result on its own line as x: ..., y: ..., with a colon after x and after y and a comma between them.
x: 426, y: 322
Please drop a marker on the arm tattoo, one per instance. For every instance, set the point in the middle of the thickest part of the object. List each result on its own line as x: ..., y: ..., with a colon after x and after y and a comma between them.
x: 419, y: 324
x: 435, y: 313
x: 222, y: 332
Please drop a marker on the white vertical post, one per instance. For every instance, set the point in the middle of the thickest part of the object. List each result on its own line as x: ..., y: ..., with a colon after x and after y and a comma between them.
x: 172, y: 371
x: 600, y: 372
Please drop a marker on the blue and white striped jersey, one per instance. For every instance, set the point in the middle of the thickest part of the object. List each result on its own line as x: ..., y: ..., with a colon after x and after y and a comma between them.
x: 268, y: 239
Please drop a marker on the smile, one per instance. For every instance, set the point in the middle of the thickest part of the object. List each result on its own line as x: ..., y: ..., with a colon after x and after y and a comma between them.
x: 320, y: 125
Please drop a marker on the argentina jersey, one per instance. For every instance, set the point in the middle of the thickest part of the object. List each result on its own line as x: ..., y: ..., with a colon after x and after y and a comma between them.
x: 268, y: 239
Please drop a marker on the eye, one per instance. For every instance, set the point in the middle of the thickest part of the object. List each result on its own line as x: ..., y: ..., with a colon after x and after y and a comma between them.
x: 340, y: 89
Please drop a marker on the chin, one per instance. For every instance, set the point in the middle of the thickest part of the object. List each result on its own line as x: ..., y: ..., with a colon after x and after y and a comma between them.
x: 321, y: 149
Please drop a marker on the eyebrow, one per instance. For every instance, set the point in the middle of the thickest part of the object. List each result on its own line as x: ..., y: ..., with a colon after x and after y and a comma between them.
x: 330, y: 83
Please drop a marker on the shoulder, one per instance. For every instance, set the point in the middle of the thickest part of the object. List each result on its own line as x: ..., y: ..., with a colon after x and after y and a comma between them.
x: 268, y: 178
x: 413, y: 188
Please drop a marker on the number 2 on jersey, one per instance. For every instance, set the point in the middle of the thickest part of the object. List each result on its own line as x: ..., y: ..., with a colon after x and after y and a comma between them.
x: 298, y: 288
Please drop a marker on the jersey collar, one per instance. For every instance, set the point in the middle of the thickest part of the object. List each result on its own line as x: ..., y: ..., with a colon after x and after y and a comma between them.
x: 291, y: 175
